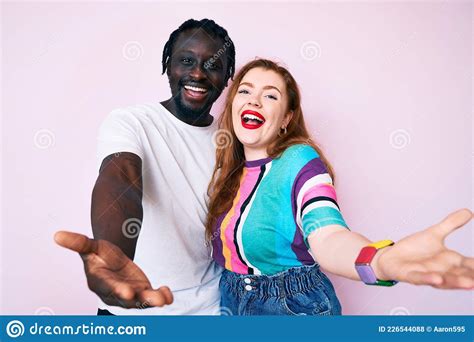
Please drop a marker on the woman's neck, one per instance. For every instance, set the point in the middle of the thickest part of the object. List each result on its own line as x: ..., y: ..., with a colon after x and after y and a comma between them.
x: 255, y: 153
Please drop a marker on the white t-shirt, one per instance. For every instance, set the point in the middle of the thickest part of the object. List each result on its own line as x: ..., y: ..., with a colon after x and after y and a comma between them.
x: 177, y: 164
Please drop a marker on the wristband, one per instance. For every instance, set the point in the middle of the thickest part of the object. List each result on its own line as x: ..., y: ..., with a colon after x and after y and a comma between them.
x: 362, y: 264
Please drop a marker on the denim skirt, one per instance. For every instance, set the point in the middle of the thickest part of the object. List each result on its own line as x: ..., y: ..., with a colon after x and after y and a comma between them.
x: 301, y: 290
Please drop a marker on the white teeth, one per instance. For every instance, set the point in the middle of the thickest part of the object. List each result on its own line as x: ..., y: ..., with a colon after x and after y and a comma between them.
x: 252, y: 117
x: 202, y: 90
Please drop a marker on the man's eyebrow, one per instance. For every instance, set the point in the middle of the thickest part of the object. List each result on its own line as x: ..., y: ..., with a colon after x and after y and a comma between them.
x: 184, y: 51
x: 266, y: 87
x: 191, y: 52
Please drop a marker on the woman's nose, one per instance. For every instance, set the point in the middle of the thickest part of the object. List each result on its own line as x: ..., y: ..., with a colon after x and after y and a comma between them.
x: 254, y: 102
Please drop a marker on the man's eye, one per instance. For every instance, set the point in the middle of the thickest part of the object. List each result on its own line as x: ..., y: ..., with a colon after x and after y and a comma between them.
x: 211, y: 66
x: 186, y: 61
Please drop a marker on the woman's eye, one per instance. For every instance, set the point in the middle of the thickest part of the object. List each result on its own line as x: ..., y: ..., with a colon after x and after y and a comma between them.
x: 273, y: 97
x: 243, y: 91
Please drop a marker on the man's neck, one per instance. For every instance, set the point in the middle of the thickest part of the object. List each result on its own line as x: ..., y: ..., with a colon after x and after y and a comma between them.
x: 202, y: 120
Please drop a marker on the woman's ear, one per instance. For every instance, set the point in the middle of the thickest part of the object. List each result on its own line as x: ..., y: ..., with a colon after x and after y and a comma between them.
x: 287, y: 118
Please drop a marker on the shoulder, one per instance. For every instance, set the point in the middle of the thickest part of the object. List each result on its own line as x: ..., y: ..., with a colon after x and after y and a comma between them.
x: 136, y: 117
x: 299, y: 154
x: 135, y: 112
x: 304, y: 162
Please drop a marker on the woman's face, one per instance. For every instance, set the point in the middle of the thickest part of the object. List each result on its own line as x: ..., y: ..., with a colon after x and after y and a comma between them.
x: 259, y: 111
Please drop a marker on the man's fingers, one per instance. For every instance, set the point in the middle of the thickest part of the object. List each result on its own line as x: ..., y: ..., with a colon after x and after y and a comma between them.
x: 75, y: 242
x: 453, y: 221
x: 113, y: 300
x: 112, y: 291
x: 160, y: 297
x: 167, y: 293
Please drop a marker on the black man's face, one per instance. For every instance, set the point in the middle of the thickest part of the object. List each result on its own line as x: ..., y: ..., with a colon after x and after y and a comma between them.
x: 196, y: 76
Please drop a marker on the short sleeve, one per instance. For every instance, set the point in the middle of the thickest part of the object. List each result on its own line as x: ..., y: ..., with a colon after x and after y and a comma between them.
x: 316, y: 200
x: 119, y: 133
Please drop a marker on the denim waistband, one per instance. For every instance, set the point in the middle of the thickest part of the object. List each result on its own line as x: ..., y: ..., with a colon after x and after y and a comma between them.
x: 291, y: 281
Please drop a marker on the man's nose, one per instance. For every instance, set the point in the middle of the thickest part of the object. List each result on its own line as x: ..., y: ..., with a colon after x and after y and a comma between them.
x: 197, y: 72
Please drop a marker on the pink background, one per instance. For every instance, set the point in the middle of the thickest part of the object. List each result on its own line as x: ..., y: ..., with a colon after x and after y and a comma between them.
x: 387, y: 90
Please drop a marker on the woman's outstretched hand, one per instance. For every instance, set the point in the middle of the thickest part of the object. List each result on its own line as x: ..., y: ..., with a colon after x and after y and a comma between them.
x: 423, y: 259
x: 115, y: 278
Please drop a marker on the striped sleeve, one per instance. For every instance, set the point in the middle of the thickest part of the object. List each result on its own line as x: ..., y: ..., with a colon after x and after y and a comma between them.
x: 316, y: 200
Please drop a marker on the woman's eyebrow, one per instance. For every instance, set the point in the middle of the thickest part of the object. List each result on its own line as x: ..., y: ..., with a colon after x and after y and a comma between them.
x: 266, y: 87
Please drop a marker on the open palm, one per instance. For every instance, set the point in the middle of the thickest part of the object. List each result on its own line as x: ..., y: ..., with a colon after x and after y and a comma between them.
x: 115, y: 278
x: 423, y: 259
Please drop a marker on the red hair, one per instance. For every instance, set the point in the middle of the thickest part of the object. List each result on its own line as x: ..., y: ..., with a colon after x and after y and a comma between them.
x: 230, y: 158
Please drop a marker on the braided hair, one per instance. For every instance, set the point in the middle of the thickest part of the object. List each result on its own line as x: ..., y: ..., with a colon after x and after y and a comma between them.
x: 213, y: 30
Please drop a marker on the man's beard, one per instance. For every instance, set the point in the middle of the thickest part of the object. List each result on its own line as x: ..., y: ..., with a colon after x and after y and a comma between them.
x: 190, y: 113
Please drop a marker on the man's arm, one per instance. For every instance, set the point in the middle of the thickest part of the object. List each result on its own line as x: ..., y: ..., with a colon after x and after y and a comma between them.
x: 117, y: 211
x: 116, y: 216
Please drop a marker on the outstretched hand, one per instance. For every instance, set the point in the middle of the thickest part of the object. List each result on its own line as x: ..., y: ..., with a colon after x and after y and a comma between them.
x: 423, y: 259
x: 115, y: 278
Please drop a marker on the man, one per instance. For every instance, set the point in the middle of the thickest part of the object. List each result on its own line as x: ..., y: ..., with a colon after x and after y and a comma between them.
x: 148, y: 203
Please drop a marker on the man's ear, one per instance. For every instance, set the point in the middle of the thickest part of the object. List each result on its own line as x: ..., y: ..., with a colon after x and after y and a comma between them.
x: 226, y: 81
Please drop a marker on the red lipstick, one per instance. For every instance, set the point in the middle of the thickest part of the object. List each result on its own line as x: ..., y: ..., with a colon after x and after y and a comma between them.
x: 251, y: 119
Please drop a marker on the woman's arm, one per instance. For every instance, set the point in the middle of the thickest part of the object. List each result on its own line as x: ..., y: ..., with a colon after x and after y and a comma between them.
x: 336, y: 248
x: 420, y: 258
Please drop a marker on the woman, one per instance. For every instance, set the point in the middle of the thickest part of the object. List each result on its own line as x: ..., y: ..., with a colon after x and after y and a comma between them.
x: 273, y: 219
x: 273, y: 208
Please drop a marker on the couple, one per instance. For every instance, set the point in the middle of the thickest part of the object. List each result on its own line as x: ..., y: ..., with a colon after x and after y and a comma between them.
x: 271, y: 217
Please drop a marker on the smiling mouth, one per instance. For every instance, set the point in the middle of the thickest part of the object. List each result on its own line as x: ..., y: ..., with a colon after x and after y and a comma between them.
x: 251, y: 119
x: 195, y: 93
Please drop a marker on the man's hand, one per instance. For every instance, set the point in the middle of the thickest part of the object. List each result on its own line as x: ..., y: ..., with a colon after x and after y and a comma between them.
x: 115, y: 278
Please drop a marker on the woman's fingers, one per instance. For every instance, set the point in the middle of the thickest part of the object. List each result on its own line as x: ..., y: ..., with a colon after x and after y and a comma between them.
x: 459, y: 278
x: 468, y: 263
x: 424, y: 278
x: 455, y: 278
x: 75, y: 242
x: 453, y: 221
